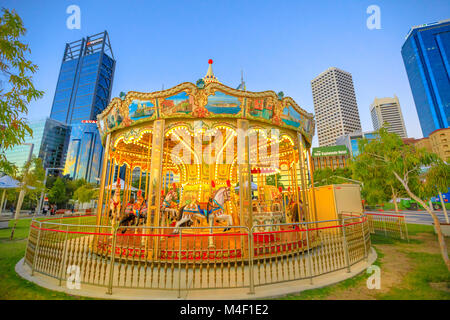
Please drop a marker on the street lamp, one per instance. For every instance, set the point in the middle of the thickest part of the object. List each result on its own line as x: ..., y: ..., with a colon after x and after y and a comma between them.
x: 43, y: 190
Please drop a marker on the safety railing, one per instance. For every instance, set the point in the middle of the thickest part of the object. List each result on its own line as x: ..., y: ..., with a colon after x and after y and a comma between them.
x: 196, y: 257
x: 392, y: 225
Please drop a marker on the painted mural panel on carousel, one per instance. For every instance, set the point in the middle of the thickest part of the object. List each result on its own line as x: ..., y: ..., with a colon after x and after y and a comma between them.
x: 141, y: 109
x: 291, y: 117
x: 260, y: 108
x: 179, y: 104
x: 222, y: 103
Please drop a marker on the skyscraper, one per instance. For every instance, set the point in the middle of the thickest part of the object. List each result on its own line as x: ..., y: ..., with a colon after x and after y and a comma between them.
x: 334, y: 105
x: 85, y: 80
x: 426, y: 55
x: 84, y: 155
x: 50, y: 140
x: 82, y: 92
x: 388, y: 110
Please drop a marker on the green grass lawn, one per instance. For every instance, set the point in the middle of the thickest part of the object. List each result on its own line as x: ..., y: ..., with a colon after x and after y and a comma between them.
x: 427, y: 269
x: 12, y: 286
x: 418, y: 284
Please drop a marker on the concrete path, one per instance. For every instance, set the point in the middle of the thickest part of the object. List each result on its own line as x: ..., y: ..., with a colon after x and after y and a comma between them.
x: 261, y: 292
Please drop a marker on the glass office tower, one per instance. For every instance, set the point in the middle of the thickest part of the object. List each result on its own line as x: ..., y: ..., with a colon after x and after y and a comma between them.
x: 85, y: 80
x: 82, y: 92
x: 426, y: 55
x: 84, y: 155
x: 50, y: 139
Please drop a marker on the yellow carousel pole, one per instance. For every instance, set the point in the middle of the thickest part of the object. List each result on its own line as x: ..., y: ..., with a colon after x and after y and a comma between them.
x: 155, y: 177
x: 103, y: 179
x: 312, y: 186
x: 102, y: 184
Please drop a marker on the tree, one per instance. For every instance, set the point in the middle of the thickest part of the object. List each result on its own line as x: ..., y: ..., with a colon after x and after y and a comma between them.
x: 387, y: 159
x: 270, y: 181
x: 32, y: 182
x: 328, y: 176
x: 57, y: 193
x: 8, y: 168
x: 18, y: 90
x: 86, y: 193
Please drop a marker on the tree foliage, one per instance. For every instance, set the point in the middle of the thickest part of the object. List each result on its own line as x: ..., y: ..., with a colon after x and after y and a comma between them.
x: 57, y: 193
x: 16, y: 89
x: 387, y: 161
x: 328, y: 176
x: 85, y: 193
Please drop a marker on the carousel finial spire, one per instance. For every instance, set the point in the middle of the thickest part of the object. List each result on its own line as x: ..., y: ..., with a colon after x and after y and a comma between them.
x: 210, y: 77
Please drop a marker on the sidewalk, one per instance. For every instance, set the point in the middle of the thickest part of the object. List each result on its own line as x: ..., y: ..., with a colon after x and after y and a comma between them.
x: 261, y: 292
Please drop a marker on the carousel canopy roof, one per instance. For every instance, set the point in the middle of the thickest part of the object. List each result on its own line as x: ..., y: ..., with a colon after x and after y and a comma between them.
x: 207, y: 99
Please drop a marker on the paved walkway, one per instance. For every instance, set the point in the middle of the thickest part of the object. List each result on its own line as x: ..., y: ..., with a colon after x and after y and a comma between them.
x: 266, y: 291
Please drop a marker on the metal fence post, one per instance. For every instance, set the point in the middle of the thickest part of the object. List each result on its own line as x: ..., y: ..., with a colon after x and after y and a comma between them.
x: 345, y: 245
x: 112, y: 261
x: 63, y: 261
x: 250, y: 261
x: 179, y: 262
x: 406, y: 229
x: 28, y: 239
x: 309, y: 254
x: 36, y: 249
x: 384, y: 226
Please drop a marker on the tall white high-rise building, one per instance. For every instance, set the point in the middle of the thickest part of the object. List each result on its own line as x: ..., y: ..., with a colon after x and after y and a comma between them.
x: 334, y: 105
x: 388, y: 110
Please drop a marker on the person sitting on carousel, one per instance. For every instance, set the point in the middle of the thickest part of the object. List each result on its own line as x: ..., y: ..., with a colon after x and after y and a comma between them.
x: 129, y: 216
x: 140, y: 208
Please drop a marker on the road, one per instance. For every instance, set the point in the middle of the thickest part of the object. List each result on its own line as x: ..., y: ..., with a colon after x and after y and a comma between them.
x: 418, y: 217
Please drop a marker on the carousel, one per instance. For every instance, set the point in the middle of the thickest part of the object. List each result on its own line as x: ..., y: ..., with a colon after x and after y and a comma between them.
x: 198, y: 165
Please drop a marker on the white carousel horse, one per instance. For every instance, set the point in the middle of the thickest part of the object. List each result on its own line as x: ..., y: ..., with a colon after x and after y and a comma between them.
x: 187, y: 213
x: 215, y: 207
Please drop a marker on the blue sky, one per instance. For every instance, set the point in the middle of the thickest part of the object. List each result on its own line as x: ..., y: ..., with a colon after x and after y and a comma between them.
x: 280, y: 45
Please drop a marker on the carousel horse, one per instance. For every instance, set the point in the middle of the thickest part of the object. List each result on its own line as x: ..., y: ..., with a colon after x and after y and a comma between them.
x: 187, y: 214
x: 215, y: 206
x: 114, y: 204
x: 135, y: 211
x: 169, y: 204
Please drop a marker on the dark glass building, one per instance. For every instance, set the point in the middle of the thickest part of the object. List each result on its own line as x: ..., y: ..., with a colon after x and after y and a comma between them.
x: 426, y: 55
x: 85, y: 80
x: 50, y: 139
x: 82, y: 92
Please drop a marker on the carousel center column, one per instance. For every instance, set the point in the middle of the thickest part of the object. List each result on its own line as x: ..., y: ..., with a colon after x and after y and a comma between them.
x: 154, y: 189
x: 245, y: 191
